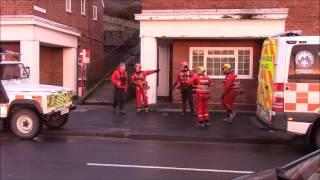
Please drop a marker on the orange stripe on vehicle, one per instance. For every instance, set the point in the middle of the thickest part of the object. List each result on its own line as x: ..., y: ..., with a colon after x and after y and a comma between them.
x: 271, y: 50
x: 270, y: 78
x: 266, y: 49
x: 269, y: 100
x: 290, y: 106
x: 314, y: 87
x: 38, y: 99
x: 313, y: 107
x: 302, y: 95
x: 302, y: 100
x: 19, y: 97
x: 267, y: 92
x: 292, y: 86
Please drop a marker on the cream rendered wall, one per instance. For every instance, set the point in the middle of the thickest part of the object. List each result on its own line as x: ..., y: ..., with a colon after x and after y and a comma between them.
x: 70, y: 68
x: 30, y: 57
x: 212, y: 28
x: 198, y: 29
x: 31, y: 37
x: 149, y: 62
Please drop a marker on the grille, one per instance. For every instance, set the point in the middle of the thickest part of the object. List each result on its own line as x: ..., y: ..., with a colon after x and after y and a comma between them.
x: 62, y: 99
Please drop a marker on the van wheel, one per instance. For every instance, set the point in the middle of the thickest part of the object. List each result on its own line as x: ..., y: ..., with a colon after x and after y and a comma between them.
x: 316, y: 138
x: 57, y: 122
x: 25, y: 124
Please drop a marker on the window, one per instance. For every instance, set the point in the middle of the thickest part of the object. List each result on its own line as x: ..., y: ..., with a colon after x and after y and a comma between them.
x: 83, y: 7
x: 240, y: 58
x: 68, y: 6
x: 304, y: 63
x: 95, y: 13
x: 12, y: 71
x: 197, y: 59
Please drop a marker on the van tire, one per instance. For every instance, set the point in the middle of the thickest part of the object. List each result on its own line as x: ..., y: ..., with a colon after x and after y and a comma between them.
x: 25, y: 124
x: 57, y: 122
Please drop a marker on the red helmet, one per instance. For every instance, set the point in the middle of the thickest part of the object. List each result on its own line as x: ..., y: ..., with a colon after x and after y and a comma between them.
x: 184, y: 65
x: 138, y: 67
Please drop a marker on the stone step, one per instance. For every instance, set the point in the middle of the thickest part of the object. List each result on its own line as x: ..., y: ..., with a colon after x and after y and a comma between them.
x: 102, y: 95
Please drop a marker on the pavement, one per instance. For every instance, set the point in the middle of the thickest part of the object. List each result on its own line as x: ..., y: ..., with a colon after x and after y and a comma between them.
x: 100, y: 121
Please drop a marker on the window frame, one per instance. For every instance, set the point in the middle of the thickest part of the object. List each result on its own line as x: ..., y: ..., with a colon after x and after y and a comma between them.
x: 303, y: 77
x: 94, y: 13
x: 69, y: 6
x: 236, y: 49
x: 83, y: 7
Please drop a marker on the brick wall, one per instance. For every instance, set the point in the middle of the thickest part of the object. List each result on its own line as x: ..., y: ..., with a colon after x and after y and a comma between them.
x: 303, y: 14
x: 248, y: 99
x: 92, y: 32
x: 16, y: 7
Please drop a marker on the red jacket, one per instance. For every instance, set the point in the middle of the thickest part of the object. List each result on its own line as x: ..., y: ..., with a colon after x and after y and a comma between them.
x: 139, y: 78
x: 183, y: 77
x: 228, y: 85
x: 201, y: 83
x: 120, y: 79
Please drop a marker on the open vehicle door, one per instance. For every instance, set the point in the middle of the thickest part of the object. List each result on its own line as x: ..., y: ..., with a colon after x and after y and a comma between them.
x: 265, y: 80
x: 3, y: 95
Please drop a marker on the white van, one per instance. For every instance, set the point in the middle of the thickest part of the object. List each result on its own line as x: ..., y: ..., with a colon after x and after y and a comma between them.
x: 26, y: 106
x: 288, y: 96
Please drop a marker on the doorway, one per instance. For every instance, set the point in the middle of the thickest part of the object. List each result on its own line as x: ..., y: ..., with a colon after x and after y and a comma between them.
x: 51, y: 65
x: 164, y: 64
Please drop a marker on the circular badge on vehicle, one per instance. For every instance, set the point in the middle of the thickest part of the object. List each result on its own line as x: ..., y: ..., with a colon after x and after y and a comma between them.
x: 304, y: 58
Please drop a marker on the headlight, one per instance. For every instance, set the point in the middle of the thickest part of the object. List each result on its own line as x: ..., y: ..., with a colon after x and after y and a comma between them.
x: 51, y: 100
x: 68, y: 96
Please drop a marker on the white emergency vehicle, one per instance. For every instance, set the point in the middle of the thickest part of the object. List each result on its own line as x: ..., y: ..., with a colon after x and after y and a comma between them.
x: 26, y: 106
x: 288, y: 96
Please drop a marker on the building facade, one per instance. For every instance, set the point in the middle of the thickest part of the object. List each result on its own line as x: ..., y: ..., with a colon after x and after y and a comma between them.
x: 211, y: 33
x: 50, y: 36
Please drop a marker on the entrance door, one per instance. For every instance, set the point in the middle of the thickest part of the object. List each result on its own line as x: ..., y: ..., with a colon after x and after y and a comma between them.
x: 51, y: 65
x: 164, y: 65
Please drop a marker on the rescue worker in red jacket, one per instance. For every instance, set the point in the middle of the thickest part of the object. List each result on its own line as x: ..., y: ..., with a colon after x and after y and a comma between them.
x: 186, y: 89
x: 119, y: 79
x: 141, y: 85
x: 229, y: 92
x: 201, y: 83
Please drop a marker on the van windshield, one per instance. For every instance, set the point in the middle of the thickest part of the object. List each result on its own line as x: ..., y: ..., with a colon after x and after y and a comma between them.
x: 304, y: 63
x: 12, y: 71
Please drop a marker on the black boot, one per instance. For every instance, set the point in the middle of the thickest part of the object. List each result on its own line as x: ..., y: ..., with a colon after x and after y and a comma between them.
x: 207, y: 123
x: 201, y: 124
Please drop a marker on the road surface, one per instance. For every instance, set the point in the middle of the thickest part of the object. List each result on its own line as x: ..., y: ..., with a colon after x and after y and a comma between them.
x: 107, y: 158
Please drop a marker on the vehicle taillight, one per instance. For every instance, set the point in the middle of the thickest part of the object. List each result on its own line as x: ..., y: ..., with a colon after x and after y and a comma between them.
x: 278, y: 97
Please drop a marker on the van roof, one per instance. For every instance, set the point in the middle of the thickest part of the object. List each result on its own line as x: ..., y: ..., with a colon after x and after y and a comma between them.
x: 299, y: 38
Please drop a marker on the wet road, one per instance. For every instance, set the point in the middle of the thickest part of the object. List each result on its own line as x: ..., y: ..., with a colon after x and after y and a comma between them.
x: 106, y: 158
